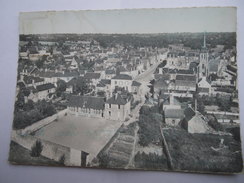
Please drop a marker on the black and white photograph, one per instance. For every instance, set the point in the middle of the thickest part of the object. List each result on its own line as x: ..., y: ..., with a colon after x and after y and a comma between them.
x: 134, y: 89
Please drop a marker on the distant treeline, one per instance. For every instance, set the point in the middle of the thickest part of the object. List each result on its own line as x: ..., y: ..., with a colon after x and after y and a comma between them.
x: 193, y: 40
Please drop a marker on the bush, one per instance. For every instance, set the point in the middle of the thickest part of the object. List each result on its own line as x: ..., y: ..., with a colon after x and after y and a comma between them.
x: 36, y: 149
x: 62, y: 160
x: 213, y: 122
x: 149, y: 123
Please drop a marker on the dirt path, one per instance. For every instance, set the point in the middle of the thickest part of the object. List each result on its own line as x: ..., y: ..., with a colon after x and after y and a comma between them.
x: 131, y: 161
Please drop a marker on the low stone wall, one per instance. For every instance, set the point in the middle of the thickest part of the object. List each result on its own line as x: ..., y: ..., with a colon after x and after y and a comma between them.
x: 36, y: 126
x: 50, y: 150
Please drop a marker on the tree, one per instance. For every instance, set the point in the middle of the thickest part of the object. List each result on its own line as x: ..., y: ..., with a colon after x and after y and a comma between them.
x: 61, y: 87
x: 81, y: 86
x: 40, y: 62
x: 36, y: 149
x: 200, y: 106
x: 29, y: 105
x: 19, y: 104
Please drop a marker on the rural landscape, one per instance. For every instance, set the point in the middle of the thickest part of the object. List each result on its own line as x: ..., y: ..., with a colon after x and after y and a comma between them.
x: 165, y: 101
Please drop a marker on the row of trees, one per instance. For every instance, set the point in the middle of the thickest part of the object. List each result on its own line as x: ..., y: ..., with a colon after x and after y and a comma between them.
x: 193, y: 40
x: 223, y: 102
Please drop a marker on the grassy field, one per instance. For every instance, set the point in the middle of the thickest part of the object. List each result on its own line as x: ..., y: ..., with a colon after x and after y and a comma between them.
x: 195, y: 152
x: 20, y: 155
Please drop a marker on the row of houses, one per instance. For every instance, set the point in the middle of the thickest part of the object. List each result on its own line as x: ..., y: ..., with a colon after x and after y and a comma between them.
x: 115, y: 108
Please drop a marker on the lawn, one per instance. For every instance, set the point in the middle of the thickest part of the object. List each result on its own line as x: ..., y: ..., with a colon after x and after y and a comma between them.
x: 194, y: 152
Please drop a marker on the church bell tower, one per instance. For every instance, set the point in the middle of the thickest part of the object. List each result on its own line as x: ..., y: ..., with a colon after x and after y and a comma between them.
x: 203, y: 60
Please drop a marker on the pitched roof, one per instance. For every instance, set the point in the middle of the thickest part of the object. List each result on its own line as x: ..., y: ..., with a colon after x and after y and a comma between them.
x: 122, y: 69
x: 45, y: 87
x: 189, y: 113
x: 213, y: 65
x: 117, y: 99
x: 162, y: 76
x: 101, y: 84
x: 92, y: 75
x: 174, y: 113
x: 50, y: 74
x: 186, y: 77
x: 30, y: 79
x: 122, y: 77
x: 135, y: 83
x: 160, y: 83
x: 89, y: 102
x: 106, y: 81
x: 109, y: 71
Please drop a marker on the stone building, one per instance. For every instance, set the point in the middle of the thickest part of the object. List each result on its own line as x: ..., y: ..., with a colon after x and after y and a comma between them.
x: 117, y: 108
x: 121, y: 81
x: 89, y: 106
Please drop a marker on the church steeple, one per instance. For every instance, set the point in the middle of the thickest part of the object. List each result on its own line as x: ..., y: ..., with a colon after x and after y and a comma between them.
x: 203, y: 63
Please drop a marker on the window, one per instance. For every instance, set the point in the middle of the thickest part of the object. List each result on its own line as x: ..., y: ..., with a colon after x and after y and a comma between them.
x: 109, y: 105
x: 115, y: 82
x: 109, y: 113
x: 118, y: 106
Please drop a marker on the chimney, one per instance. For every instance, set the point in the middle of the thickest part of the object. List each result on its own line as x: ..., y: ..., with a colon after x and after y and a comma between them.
x: 115, y: 96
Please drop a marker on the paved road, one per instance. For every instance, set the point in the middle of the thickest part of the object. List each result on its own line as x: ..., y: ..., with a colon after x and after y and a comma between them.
x: 144, y: 79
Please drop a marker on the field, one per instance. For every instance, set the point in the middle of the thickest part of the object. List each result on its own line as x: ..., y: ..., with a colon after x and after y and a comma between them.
x: 81, y: 133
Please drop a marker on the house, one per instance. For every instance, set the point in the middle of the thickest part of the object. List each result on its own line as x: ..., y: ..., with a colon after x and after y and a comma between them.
x: 53, y: 77
x: 117, y: 108
x: 109, y: 73
x: 173, y: 116
x: 105, y: 86
x: 41, y: 92
x: 31, y: 80
x: 74, y: 64
x: 195, y: 122
x: 185, y: 83
x: 89, y: 106
x: 121, y: 81
x: 204, y: 86
x: 136, y: 88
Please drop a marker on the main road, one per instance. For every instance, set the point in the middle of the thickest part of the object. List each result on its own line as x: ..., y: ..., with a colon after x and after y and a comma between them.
x: 144, y: 79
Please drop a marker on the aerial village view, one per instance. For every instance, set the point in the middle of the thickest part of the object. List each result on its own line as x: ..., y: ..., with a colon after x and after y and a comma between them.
x: 128, y: 101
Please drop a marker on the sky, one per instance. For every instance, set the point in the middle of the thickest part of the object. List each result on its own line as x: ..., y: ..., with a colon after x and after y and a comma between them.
x: 129, y: 21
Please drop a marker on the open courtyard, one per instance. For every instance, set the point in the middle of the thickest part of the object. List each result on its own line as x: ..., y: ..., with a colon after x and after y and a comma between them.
x: 81, y: 133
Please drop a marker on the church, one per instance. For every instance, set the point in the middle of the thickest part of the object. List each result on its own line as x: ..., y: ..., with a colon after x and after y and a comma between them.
x: 203, y: 69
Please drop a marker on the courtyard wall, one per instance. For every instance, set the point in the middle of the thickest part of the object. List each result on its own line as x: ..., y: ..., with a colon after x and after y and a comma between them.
x: 36, y: 126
